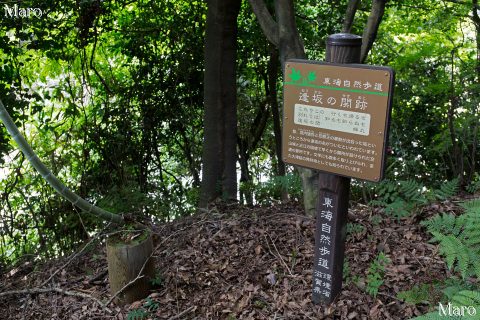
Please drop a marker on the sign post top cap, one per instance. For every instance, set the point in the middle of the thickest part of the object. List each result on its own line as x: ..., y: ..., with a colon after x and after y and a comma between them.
x: 344, y: 39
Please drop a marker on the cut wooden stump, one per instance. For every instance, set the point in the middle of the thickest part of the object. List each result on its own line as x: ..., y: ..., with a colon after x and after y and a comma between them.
x: 130, y: 268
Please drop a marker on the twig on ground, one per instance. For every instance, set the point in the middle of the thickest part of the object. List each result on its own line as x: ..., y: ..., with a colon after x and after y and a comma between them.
x: 138, y: 277
x: 73, y: 257
x: 279, y: 256
x: 178, y: 316
x: 99, y: 276
x: 57, y: 290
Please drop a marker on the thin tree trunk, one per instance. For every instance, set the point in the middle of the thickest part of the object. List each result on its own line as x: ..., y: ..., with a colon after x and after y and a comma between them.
x: 291, y: 46
x: 248, y: 145
x: 457, y: 153
x: 49, y: 177
x: 283, y: 33
x: 277, y: 127
x: 245, y: 177
x: 475, y: 124
x: 290, y: 43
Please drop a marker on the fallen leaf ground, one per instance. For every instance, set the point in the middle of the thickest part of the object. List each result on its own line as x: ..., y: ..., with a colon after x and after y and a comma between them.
x: 241, y: 263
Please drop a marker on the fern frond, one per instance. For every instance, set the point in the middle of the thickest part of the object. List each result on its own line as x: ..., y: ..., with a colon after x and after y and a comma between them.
x: 472, y: 205
x: 410, y: 187
x: 444, y: 224
x: 454, y: 250
x: 137, y: 314
x: 472, y: 223
x: 398, y: 209
x: 463, y: 258
x: 447, y: 189
x: 472, y: 235
x: 467, y: 298
x: 476, y: 267
x: 378, y: 203
x: 412, y: 191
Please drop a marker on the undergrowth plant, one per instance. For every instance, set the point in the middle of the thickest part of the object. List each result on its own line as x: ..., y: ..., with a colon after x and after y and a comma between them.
x: 354, y: 228
x: 401, y: 198
x: 463, y: 305
x: 147, y: 311
x: 418, y: 294
x: 272, y: 189
x: 376, y: 272
x: 474, y: 186
x: 458, y: 238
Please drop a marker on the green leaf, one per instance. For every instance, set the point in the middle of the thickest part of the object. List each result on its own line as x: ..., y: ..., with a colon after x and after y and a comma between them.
x: 311, y: 76
x: 295, y: 75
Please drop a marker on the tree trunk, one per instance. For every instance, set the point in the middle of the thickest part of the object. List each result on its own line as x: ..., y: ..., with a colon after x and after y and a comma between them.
x: 247, y: 145
x: 220, y: 120
x: 291, y: 46
x: 245, y: 177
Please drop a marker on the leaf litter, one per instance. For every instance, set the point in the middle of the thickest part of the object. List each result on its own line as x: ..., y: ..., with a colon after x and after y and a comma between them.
x: 238, y: 262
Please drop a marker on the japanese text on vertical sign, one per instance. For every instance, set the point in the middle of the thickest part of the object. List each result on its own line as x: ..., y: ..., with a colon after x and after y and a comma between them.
x: 322, y: 276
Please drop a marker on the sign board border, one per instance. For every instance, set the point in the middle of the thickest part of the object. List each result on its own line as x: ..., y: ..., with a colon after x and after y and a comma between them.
x: 386, y: 133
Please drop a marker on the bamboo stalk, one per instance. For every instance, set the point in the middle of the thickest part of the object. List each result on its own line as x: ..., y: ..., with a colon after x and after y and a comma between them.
x: 56, y: 184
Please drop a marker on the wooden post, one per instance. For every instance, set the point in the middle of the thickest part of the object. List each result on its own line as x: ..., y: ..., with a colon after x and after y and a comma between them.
x: 332, y: 205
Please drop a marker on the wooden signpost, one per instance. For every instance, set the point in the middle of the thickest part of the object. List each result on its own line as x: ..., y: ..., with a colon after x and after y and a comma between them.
x: 336, y: 119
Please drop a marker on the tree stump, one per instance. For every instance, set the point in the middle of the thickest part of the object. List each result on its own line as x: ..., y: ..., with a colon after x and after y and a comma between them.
x: 125, y: 263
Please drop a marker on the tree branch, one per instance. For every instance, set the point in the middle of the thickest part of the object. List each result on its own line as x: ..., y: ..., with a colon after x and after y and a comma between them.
x: 57, y: 290
x: 371, y: 29
x: 265, y: 19
x: 92, y: 66
x: 290, y: 43
x: 350, y: 15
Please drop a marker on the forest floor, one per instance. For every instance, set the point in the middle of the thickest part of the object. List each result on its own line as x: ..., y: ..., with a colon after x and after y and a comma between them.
x: 239, y: 263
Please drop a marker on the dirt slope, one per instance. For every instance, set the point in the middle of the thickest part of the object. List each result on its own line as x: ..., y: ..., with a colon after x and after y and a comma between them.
x: 238, y: 263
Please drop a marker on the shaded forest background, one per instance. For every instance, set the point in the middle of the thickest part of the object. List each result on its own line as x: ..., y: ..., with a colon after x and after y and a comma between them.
x: 111, y: 96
